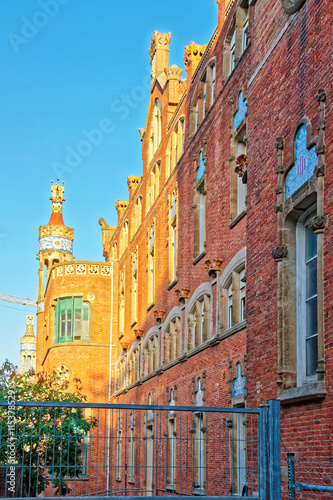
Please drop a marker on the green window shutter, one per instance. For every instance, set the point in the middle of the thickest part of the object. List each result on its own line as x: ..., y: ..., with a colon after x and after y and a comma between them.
x: 56, y: 323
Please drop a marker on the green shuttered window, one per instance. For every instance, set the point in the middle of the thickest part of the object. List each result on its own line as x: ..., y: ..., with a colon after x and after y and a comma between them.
x: 71, y: 320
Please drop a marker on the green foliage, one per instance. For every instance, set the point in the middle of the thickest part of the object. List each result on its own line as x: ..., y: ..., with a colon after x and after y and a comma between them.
x: 47, y: 439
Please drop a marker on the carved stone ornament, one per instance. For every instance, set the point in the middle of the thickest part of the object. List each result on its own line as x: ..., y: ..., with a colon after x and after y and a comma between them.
x: 121, y: 205
x: 292, y: 6
x: 213, y: 266
x: 279, y: 143
x: 142, y: 133
x: 241, y: 167
x: 182, y: 294
x: 124, y: 345
x: 318, y: 223
x: 138, y: 333
x: 159, y: 315
x: 173, y: 73
x: 280, y: 253
x: 193, y: 52
x: 133, y: 181
x: 159, y: 41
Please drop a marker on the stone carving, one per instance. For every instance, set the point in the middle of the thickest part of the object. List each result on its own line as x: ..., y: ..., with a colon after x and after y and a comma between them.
x: 182, y: 294
x: 318, y: 223
x: 55, y: 243
x: 132, y: 181
x: 193, y: 52
x: 278, y: 208
x: 292, y: 6
x: 64, y: 373
x: 213, y: 266
x: 280, y: 253
x: 241, y: 167
x: 60, y: 271
x: 121, y: 205
x: 91, y: 296
x: 173, y: 72
x: 279, y: 143
x: 93, y: 269
x: 159, y: 41
x: 81, y: 268
x: 69, y: 269
x: 138, y: 333
x: 142, y: 133
x: 159, y: 315
x: 124, y: 345
x: 106, y: 270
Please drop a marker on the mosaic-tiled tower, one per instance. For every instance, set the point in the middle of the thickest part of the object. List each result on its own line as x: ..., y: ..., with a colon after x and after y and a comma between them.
x: 55, y: 240
x: 28, y: 347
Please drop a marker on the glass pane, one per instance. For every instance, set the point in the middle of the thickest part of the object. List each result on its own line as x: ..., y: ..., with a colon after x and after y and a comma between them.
x: 311, y: 356
x: 63, y: 325
x: 69, y: 324
x: 311, y: 244
x: 311, y: 317
x: 311, y: 278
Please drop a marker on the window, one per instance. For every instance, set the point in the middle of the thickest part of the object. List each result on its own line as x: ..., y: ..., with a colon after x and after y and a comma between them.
x: 175, y: 147
x: 131, y: 447
x: 237, y: 39
x: 72, y: 320
x: 151, y: 265
x: 120, y: 381
x: 199, y: 442
x: 123, y: 239
x: 172, y: 240
x: 238, y: 453
x: 156, y: 129
x: 172, y: 340
x: 200, y: 207
x: 241, y: 186
x: 234, y: 299
x: 306, y: 284
x: 134, y: 287
x: 153, y: 186
x: 133, y: 366
x: 199, y: 321
x: 122, y: 301
x: 114, y: 251
x: 136, y: 217
x: 151, y: 354
x: 119, y: 446
x: 149, y: 451
x: 171, y: 445
x: 204, y: 97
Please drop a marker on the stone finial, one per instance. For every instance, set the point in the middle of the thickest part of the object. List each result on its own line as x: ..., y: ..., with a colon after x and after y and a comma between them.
x: 30, y: 325
x: 121, y: 206
x: 193, y: 53
x: 159, y: 41
x: 159, y: 53
x: 182, y: 294
x: 213, y: 266
x: 132, y: 183
x: 142, y: 133
x: 173, y: 73
x: 241, y: 167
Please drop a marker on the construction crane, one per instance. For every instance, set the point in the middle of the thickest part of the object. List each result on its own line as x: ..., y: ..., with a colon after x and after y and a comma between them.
x: 18, y: 300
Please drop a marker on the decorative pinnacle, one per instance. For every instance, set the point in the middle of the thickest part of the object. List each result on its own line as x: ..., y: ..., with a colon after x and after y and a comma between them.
x: 57, y: 198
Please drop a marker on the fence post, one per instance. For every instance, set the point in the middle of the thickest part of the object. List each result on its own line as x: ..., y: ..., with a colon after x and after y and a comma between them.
x: 291, y: 475
x: 273, y: 450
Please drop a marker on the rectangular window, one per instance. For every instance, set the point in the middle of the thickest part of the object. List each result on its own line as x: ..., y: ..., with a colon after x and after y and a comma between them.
x: 311, y: 302
x: 71, y: 320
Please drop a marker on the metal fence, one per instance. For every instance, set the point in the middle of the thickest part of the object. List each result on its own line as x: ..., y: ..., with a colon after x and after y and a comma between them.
x: 309, y: 479
x: 53, y: 449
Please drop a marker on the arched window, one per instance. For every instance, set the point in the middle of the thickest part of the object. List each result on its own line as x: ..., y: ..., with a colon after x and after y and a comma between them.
x: 133, y: 366
x: 122, y: 301
x: 199, y: 321
x: 173, y: 238
x: 234, y: 298
x: 175, y: 147
x: 136, y: 216
x: 123, y: 239
x: 151, y: 354
x: 204, y: 97
x: 237, y: 39
x: 120, y: 378
x: 153, y: 186
x: 151, y: 265
x: 172, y: 340
x: 200, y: 207
x: 134, y: 287
x: 156, y: 129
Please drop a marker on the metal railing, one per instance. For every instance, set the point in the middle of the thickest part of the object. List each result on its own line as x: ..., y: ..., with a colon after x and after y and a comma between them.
x: 97, y: 450
x: 310, y: 476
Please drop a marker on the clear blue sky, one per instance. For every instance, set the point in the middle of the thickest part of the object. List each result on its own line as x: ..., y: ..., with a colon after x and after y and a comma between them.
x: 66, y: 65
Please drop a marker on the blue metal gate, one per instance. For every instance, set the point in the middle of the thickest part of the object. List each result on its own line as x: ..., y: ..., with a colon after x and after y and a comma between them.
x: 100, y: 450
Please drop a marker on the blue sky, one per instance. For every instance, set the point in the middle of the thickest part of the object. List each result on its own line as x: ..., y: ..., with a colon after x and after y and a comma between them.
x: 67, y: 67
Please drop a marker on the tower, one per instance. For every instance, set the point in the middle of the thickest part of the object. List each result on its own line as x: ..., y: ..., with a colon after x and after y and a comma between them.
x: 28, y: 347
x: 55, y: 240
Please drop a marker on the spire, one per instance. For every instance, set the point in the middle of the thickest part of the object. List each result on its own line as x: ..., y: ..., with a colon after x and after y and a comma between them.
x: 57, y: 199
x: 28, y: 347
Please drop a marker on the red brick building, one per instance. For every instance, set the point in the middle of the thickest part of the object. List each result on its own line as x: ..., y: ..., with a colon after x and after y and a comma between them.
x: 220, y: 261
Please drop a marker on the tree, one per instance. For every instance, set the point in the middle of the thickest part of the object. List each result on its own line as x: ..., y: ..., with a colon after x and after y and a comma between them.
x: 45, y: 441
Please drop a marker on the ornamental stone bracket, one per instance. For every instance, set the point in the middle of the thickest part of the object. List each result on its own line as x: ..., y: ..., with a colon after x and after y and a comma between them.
x: 318, y: 223
x: 139, y: 334
x: 182, y: 294
x: 125, y: 346
x: 292, y: 6
x: 173, y: 72
x: 279, y: 253
x: 159, y: 315
x: 213, y: 267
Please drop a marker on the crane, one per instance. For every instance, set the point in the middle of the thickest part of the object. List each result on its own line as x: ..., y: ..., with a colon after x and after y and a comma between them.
x: 18, y: 300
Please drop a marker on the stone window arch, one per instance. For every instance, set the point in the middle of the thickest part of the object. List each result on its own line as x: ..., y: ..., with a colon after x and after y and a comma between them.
x: 300, y: 261
x: 133, y: 364
x: 172, y: 340
x: 123, y: 239
x: 136, y: 216
x: 153, y: 185
x: 199, y: 206
x: 134, y: 287
x: 151, y: 264
x: 233, y: 292
x: 151, y: 352
x: 200, y: 320
x: 204, y: 96
x: 173, y: 236
x: 120, y: 375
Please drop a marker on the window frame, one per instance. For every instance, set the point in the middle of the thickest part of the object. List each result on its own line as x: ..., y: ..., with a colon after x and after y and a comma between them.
x: 72, y: 307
